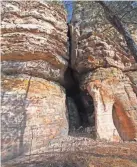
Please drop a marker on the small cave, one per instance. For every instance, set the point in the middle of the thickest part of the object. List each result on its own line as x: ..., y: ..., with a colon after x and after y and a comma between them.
x: 80, y: 107
x: 79, y: 103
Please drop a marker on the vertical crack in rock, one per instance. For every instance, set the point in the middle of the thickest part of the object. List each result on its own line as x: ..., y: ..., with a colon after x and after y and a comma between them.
x: 80, y: 104
x: 100, y: 88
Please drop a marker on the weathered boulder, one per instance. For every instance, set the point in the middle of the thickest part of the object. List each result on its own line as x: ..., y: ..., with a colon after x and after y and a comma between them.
x: 34, y: 38
x: 101, y: 64
x: 33, y: 114
x: 34, y: 56
x: 115, y: 103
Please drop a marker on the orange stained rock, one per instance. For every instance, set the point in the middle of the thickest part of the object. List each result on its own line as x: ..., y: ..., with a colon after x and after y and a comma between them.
x: 10, y: 84
x: 114, y: 94
x: 91, y: 59
x: 126, y: 125
x: 33, y: 56
x: 47, y: 120
x: 97, y: 83
x: 36, y: 85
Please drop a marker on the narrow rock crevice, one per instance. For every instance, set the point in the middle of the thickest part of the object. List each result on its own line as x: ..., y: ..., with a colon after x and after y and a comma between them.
x: 79, y: 103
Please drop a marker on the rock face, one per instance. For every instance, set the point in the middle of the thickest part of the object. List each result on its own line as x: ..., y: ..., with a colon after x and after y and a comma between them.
x: 108, y: 74
x: 91, y: 48
x: 115, y: 103
x: 133, y: 77
x: 35, y: 69
x: 31, y: 117
x: 92, y: 51
x: 34, y: 39
x: 34, y: 55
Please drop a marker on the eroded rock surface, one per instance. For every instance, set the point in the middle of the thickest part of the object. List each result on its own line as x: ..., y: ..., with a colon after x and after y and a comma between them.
x: 31, y: 117
x: 92, y: 45
x: 108, y: 73
x: 34, y: 38
x: 34, y: 56
x: 115, y: 103
x: 34, y: 63
x: 93, y: 51
x: 133, y: 78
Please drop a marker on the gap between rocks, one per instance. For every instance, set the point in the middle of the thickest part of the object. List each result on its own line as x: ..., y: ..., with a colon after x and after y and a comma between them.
x: 79, y: 103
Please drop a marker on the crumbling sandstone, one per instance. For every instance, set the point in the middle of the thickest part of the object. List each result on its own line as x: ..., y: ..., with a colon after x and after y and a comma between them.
x: 108, y: 74
x: 34, y: 39
x: 34, y: 58
x: 115, y: 104
x: 35, y: 109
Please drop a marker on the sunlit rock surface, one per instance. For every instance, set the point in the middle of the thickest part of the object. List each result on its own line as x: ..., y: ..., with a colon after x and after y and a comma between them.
x: 115, y: 104
x: 107, y: 72
x: 33, y: 114
x: 34, y: 38
x: 34, y: 107
x: 92, y: 51
x: 92, y: 44
x: 34, y: 56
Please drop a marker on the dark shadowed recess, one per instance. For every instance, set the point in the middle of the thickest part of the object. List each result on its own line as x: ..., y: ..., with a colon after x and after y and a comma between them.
x: 79, y: 103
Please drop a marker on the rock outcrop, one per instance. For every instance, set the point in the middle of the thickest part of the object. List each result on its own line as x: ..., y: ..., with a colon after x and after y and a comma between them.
x: 34, y: 39
x: 49, y: 89
x: 108, y: 74
x: 115, y: 103
x: 34, y: 58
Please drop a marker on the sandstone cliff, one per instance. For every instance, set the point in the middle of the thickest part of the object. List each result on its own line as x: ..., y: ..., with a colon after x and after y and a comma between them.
x: 34, y: 56
x: 109, y: 75
x: 50, y: 90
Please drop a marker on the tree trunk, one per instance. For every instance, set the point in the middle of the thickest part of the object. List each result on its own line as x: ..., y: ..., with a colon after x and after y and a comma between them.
x: 121, y: 28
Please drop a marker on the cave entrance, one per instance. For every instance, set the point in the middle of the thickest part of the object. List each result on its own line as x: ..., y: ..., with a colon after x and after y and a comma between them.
x: 80, y: 107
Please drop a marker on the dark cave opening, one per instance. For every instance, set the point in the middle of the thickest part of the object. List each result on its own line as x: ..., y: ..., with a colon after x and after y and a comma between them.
x: 79, y: 103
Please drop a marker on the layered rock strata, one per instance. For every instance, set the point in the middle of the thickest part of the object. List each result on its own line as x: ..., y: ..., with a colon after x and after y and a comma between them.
x: 34, y: 56
x: 34, y: 39
x: 108, y: 74
x: 34, y: 62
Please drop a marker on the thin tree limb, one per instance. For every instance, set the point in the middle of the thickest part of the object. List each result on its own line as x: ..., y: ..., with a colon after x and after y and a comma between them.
x: 127, y: 12
x: 121, y: 28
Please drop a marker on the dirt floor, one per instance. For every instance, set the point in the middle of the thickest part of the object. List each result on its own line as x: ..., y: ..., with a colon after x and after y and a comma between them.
x: 79, y: 152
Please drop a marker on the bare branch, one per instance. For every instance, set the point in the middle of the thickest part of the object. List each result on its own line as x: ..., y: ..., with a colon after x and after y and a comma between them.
x: 121, y: 28
x: 127, y: 12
